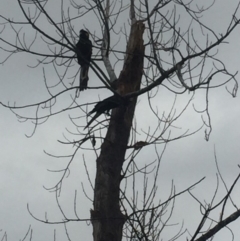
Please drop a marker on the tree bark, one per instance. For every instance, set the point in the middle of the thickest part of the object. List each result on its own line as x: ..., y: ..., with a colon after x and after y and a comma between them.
x: 107, y: 219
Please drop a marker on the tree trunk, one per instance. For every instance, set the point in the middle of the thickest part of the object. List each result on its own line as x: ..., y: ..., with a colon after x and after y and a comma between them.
x: 107, y: 219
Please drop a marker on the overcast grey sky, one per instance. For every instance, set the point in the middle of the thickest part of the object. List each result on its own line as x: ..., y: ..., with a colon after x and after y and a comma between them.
x: 24, y: 166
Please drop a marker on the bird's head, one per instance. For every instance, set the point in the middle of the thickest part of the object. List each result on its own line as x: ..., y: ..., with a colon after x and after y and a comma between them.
x: 84, y: 34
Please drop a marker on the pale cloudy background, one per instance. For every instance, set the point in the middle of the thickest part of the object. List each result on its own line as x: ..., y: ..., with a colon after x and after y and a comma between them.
x: 24, y: 166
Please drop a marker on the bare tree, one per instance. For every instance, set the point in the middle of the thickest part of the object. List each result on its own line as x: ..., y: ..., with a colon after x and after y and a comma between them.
x: 162, y: 52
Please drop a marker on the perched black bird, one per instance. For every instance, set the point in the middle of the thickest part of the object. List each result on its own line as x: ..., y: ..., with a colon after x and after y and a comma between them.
x: 84, y: 53
x: 106, y: 105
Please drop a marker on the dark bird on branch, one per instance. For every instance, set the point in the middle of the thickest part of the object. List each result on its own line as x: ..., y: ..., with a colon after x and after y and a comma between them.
x: 106, y: 105
x: 84, y: 53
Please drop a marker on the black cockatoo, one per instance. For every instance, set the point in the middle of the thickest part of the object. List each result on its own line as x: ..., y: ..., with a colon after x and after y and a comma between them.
x: 84, y: 53
x: 106, y: 105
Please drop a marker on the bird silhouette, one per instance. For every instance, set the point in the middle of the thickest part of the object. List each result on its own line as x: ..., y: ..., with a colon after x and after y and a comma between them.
x: 84, y: 53
x: 106, y: 105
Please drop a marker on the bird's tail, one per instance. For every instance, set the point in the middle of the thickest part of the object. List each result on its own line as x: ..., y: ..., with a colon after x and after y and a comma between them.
x: 83, y: 78
x: 91, y: 121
